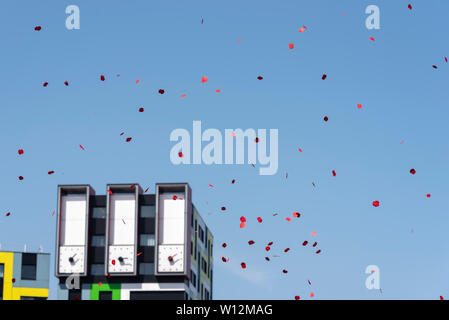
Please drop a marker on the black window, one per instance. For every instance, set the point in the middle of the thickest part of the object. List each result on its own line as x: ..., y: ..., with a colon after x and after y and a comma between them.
x: 75, y: 294
x: 191, y: 247
x: 33, y: 298
x: 105, y: 295
x: 29, y: 267
x: 2, y: 275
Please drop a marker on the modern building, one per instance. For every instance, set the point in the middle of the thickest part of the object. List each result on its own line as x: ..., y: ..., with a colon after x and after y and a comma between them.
x: 24, y: 276
x: 128, y: 245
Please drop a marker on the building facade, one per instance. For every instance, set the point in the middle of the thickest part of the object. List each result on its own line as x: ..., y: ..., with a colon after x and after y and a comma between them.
x: 128, y: 245
x: 24, y: 276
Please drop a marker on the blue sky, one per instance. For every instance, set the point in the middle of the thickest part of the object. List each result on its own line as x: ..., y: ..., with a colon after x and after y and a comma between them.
x: 165, y: 45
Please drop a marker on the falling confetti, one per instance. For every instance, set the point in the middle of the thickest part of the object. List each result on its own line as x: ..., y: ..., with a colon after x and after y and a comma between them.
x: 359, y: 106
x: 141, y: 109
x: 412, y: 171
x: 243, y: 264
x: 102, y: 78
x: 291, y: 45
x: 284, y: 271
x: 20, y: 151
x: 251, y: 242
x: 51, y: 172
x: 233, y: 181
x: 224, y: 245
x: 183, y: 96
x: 324, y: 77
x: 45, y: 84
x: 267, y: 248
x: 371, y: 38
x: 204, y: 79
x: 259, y: 78
x: 305, y: 243
x: 113, y: 262
x: 82, y: 147
x: 175, y: 197
x: 161, y: 91
x: 223, y: 208
x: 259, y: 219
x: 146, y: 190
x: 318, y: 252
x: 410, y: 6
x: 297, y: 297
x: 312, y: 294
x: 325, y: 118
x: 137, y: 81
x: 8, y: 214
x: 313, y: 233
x: 218, y: 91
x: 445, y: 59
x: 37, y: 28
x: 242, y: 225
x: 288, y: 219
x: 296, y: 214
x: 314, y: 245
x: 20, y: 178
x: 66, y: 83
x: 435, y: 67
x: 376, y: 203
x: 333, y: 173
x: 428, y: 195
x: 180, y: 154
x: 128, y: 139
x: 287, y: 250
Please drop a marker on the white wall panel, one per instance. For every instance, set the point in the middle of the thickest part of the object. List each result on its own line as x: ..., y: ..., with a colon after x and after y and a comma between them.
x: 122, y: 219
x: 73, y: 220
x: 172, y: 218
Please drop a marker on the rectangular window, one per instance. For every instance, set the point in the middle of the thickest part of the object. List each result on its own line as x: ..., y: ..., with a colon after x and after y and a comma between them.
x: 75, y: 294
x: 97, y: 269
x: 201, y: 234
x: 146, y: 268
x: 98, y: 241
x: 147, y: 240
x: 147, y: 211
x: 105, y: 295
x: 99, y: 213
x: 2, y: 275
x: 29, y: 266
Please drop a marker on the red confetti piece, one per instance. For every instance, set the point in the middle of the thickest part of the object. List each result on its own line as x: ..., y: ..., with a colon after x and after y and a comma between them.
x: 211, y: 186
x: 333, y: 173
x: 137, y: 81
x: 410, y: 6
x: 218, y: 91
x: 310, y: 283
x: 45, y: 84
x: 139, y: 253
x: 99, y: 284
x: 183, y: 96
x: 441, y: 298
x: 291, y: 45
x: 251, y: 242
x: 256, y: 140
x: 223, y: 259
x: 325, y: 118
x: 445, y: 59
x: 146, y: 190
x: 287, y: 250
x: 259, y: 78
x: 428, y: 195
x: 223, y: 208
x: 13, y: 280
x: 267, y: 248
x: 359, y: 106
x: 376, y: 203
x: 204, y: 79
x: 109, y: 191
x: 161, y: 91
x: 314, y: 245
x: 300, y: 150
x: 313, y: 233
x: 128, y: 139
x: 242, y: 219
x: 371, y: 38
x: 412, y: 171
x: 20, y: 178
x: 259, y: 219
x: 266, y: 258
x: 284, y: 271
x: 318, y: 251
x: 113, y: 262
x: 132, y: 186
x: 20, y: 151
x: 141, y: 109
x: 305, y: 243
x: 224, y: 245
x: 233, y: 181
x: 270, y: 243
x: 51, y: 172
x: 121, y: 134
x: 312, y: 294
x: 175, y: 197
x: 243, y: 264
x: 301, y: 29
x: 38, y: 28
x: 242, y: 225
x: 297, y: 297
x: 324, y: 77
x: 435, y: 67
x: 8, y: 214
x: 180, y: 154
x: 296, y: 214
x: 102, y: 78
x: 288, y: 219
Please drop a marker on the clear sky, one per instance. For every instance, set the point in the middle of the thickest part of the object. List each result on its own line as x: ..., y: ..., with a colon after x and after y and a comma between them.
x: 165, y: 45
